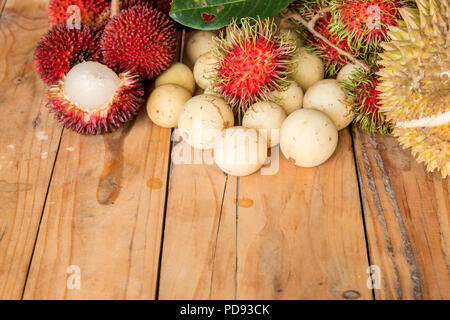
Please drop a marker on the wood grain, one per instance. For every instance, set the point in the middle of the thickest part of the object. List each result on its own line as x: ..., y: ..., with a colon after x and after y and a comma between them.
x: 198, y: 260
x: 2, y: 6
x: 407, y: 216
x: 29, y: 138
x: 301, y: 234
x: 104, y: 214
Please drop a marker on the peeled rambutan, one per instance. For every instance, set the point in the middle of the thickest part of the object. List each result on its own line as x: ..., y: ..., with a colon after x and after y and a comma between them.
x: 364, y: 23
x: 92, y: 12
x: 365, y: 99
x: 62, y: 48
x: 93, y: 99
x: 141, y: 39
x: 253, y: 60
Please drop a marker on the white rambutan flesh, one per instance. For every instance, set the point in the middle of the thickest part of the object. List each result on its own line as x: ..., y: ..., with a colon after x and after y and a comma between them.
x: 91, y: 85
x: 93, y: 99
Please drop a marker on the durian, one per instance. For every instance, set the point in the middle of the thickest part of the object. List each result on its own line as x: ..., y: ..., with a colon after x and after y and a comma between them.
x: 415, y: 82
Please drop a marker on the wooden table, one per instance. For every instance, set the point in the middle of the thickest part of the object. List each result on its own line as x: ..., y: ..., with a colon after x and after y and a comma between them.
x: 115, y: 211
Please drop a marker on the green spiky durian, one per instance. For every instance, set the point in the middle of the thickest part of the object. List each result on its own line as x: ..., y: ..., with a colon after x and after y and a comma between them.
x: 415, y: 82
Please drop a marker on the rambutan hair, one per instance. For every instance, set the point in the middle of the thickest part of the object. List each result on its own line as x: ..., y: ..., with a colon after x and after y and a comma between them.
x: 124, y: 107
x: 364, y: 23
x: 164, y: 6
x: 92, y: 12
x: 62, y: 48
x: 364, y: 98
x: 141, y: 39
x: 253, y: 60
x: 126, y: 4
x: 333, y: 60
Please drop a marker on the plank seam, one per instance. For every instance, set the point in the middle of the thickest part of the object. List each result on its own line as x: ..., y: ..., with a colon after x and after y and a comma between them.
x: 237, y: 238
x: 376, y: 198
x: 166, y: 200
x: 409, y: 253
x: 217, y: 236
x: 42, y: 213
x: 360, y: 183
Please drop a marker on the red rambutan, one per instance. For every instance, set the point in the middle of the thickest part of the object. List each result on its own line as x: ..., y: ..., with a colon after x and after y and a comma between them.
x: 332, y: 59
x: 363, y: 95
x: 126, y: 4
x: 164, y: 6
x: 141, y: 39
x: 364, y: 22
x: 252, y: 62
x: 93, y: 99
x: 92, y: 12
x: 61, y: 48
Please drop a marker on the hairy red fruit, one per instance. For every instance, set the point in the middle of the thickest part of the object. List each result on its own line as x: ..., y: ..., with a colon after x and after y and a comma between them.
x: 365, y: 100
x: 252, y: 62
x: 332, y: 59
x: 90, y: 10
x: 141, y: 39
x: 126, y: 4
x: 164, y: 6
x: 124, y: 107
x: 62, y: 48
x: 367, y: 20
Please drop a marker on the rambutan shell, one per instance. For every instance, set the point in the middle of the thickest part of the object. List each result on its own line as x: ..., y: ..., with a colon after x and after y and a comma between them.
x: 62, y: 48
x: 91, y: 11
x: 252, y: 62
x: 122, y: 108
x: 141, y: 39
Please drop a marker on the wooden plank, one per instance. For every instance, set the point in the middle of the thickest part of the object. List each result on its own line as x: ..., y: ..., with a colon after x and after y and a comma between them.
x: 2, y: 6
x: 29, y: 138
x: 407, y: 216
x: 198, y: 260
x: 301, y: 233
x: 104, y: 216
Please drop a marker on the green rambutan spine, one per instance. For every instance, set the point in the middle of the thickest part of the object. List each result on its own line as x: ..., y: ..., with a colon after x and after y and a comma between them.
x: 363, y: 96
x: 253, y: 60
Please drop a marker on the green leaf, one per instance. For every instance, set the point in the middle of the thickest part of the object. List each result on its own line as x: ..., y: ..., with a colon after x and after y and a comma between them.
x: 215, y: 14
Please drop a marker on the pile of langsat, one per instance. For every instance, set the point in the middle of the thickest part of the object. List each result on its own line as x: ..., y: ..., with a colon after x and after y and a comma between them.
x: 256, y: 74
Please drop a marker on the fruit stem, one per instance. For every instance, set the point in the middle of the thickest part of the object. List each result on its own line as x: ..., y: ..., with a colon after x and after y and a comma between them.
x: 115, y: 7
x: 310, y: 26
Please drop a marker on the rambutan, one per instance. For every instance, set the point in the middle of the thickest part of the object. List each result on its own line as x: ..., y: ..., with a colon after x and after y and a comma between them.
x: 364, y: 97
x: 62, y: 48
x: 253, y: 60
x: 126, y: 4
x: 93, y: 99
x: 141, y: 39
x: 92, y: 12
x: 164, y: 6
x: 333, y: 60
x: 364, y: 23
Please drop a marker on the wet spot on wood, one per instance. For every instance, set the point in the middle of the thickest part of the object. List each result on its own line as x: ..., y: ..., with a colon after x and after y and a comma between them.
x: 154, y: 183
x: 111, y: 178
x: 245, y: 202
x: 351, y: 295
